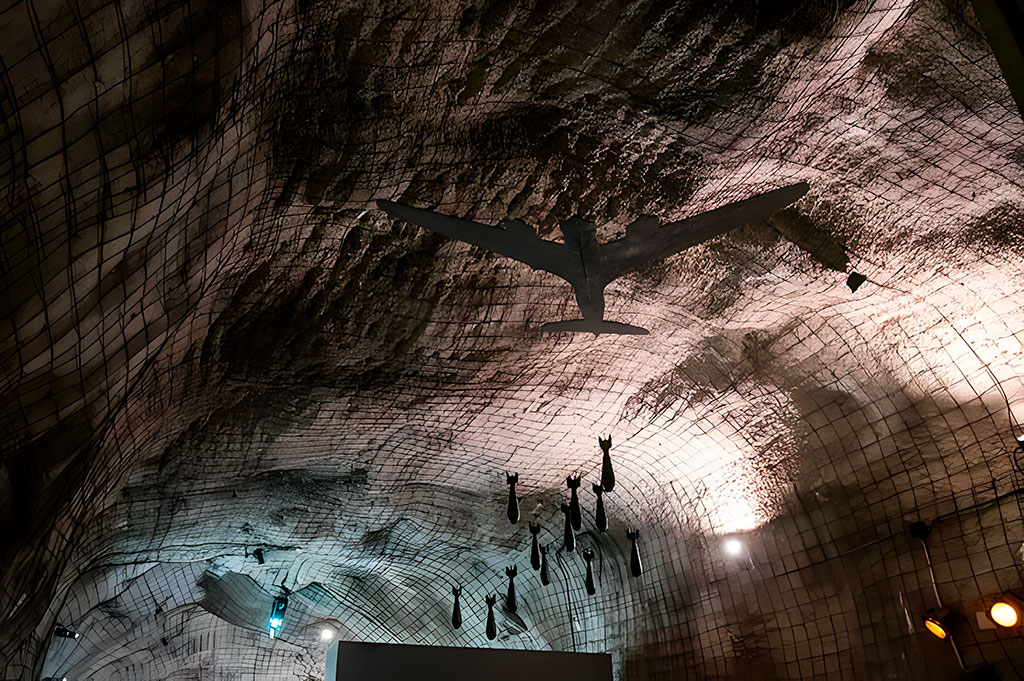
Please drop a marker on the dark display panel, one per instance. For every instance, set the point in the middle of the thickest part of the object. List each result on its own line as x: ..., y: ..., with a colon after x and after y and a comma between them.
x: 350, y: 661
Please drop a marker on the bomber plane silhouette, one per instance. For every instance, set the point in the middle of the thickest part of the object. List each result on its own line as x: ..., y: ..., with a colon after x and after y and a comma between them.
x: 589, y: 266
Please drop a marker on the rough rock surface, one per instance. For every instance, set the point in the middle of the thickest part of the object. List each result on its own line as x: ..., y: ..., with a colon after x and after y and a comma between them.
x: 212, y: 342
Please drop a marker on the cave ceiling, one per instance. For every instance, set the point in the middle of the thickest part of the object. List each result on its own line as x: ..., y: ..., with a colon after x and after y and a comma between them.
x: 213, y: 342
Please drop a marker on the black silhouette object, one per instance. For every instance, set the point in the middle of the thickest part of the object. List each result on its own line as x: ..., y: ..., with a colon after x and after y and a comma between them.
x: 456, y: 609
x: 510, y: 597
x: 570, y: 536
x: 855, y: 280
x: 589, y: 266
x: 492, y: 628
x: 607, y: 474
x: 599, y: 517
x: 513, y: 500
x: 574, y: 502
x: 588, y: 556
x: 534, y: 551
x: 545, y: 579
x: 635, y: 566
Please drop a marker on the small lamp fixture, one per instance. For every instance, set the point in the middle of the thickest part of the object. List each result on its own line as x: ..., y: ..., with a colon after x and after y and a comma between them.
x: 1007, y: 611
x: 276, y: 620
x: 733, y: 546
x: 327, y: 634
x: 64, y: 632
x: 939, y: 623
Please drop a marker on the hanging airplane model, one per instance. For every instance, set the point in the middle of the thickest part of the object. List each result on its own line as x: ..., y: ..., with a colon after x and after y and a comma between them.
x: 589, y: 266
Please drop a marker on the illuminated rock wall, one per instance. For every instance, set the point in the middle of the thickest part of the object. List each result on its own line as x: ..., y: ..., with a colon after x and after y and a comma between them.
x: 212, y: 342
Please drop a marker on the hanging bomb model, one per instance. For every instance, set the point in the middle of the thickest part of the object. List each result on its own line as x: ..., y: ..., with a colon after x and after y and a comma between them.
x: 534, y: 552
x: 599, y: 517
x: 492, y: 628
x: 510, y: 597
x: 574, y: 502
x: 607, y: 474
x: 570, y: 537
x: 544, y: 578
x: 456, y: 609
x: 588, y: 556
x: 513, y: 500
x: 635, y: 566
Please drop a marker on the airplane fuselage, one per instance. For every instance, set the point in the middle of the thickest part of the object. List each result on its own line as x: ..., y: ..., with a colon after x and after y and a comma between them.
x: 581, y: 237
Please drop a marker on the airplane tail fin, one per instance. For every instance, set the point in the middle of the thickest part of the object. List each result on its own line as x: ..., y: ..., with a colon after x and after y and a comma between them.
x: 595, y: 327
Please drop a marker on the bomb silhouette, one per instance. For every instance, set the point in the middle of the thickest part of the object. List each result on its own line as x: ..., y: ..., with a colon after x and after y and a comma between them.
x: 574, y: 502
x: 534, y: 552
x: 544, y: 578
x: 599, y: 517
x: 510, y: 597
x: 513, y: 500
x: 607, y: 474
x: 635, y: 565
x: 588, y: 556
x: 570, y: 537
x: 456, y: 609
x: 492, y: 628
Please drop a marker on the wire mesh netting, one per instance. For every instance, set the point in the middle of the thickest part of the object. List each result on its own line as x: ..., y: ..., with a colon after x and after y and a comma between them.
x: 214, y: 345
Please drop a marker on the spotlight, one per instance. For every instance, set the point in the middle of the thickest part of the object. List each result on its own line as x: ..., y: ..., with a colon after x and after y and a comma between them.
x: 1007, y: 610
x: 939, y: 623
x: 1020, y: 442
x: 1004, y: 614
x: 64, y: 632
x: 276, y: 620
x: 733, y: 546
x: 326, y: 634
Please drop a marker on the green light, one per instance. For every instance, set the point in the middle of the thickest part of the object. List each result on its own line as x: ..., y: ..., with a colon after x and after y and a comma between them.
x: 276, y: 620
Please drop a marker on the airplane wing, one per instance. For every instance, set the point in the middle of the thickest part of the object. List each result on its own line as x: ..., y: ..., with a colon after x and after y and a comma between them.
x: 517, y: 241
x: 645, y: 243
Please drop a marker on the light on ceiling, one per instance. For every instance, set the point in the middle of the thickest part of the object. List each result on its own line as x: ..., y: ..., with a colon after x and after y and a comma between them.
x: 326, y: 634
x: 276, y: 620
x: 733, y: 546
x: 64, y: 632
x: 939, y: 623
x: 1004, y: 614
x: 1007, y: 611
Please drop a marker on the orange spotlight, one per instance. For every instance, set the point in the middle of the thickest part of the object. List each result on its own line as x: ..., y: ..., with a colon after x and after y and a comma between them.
x: 1006, y: 610
x: 939, y: 623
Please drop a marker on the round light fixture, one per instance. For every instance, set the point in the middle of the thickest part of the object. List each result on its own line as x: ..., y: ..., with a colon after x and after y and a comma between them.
x: 940, y: 623
x: 326, y: 634
x: 935, y: 627
x: 1006, y: 610
x: 1004, y: 614
x: 733, y: 546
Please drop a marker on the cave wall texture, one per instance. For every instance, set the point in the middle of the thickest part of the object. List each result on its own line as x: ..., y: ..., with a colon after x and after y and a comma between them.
x: 212, y: 342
